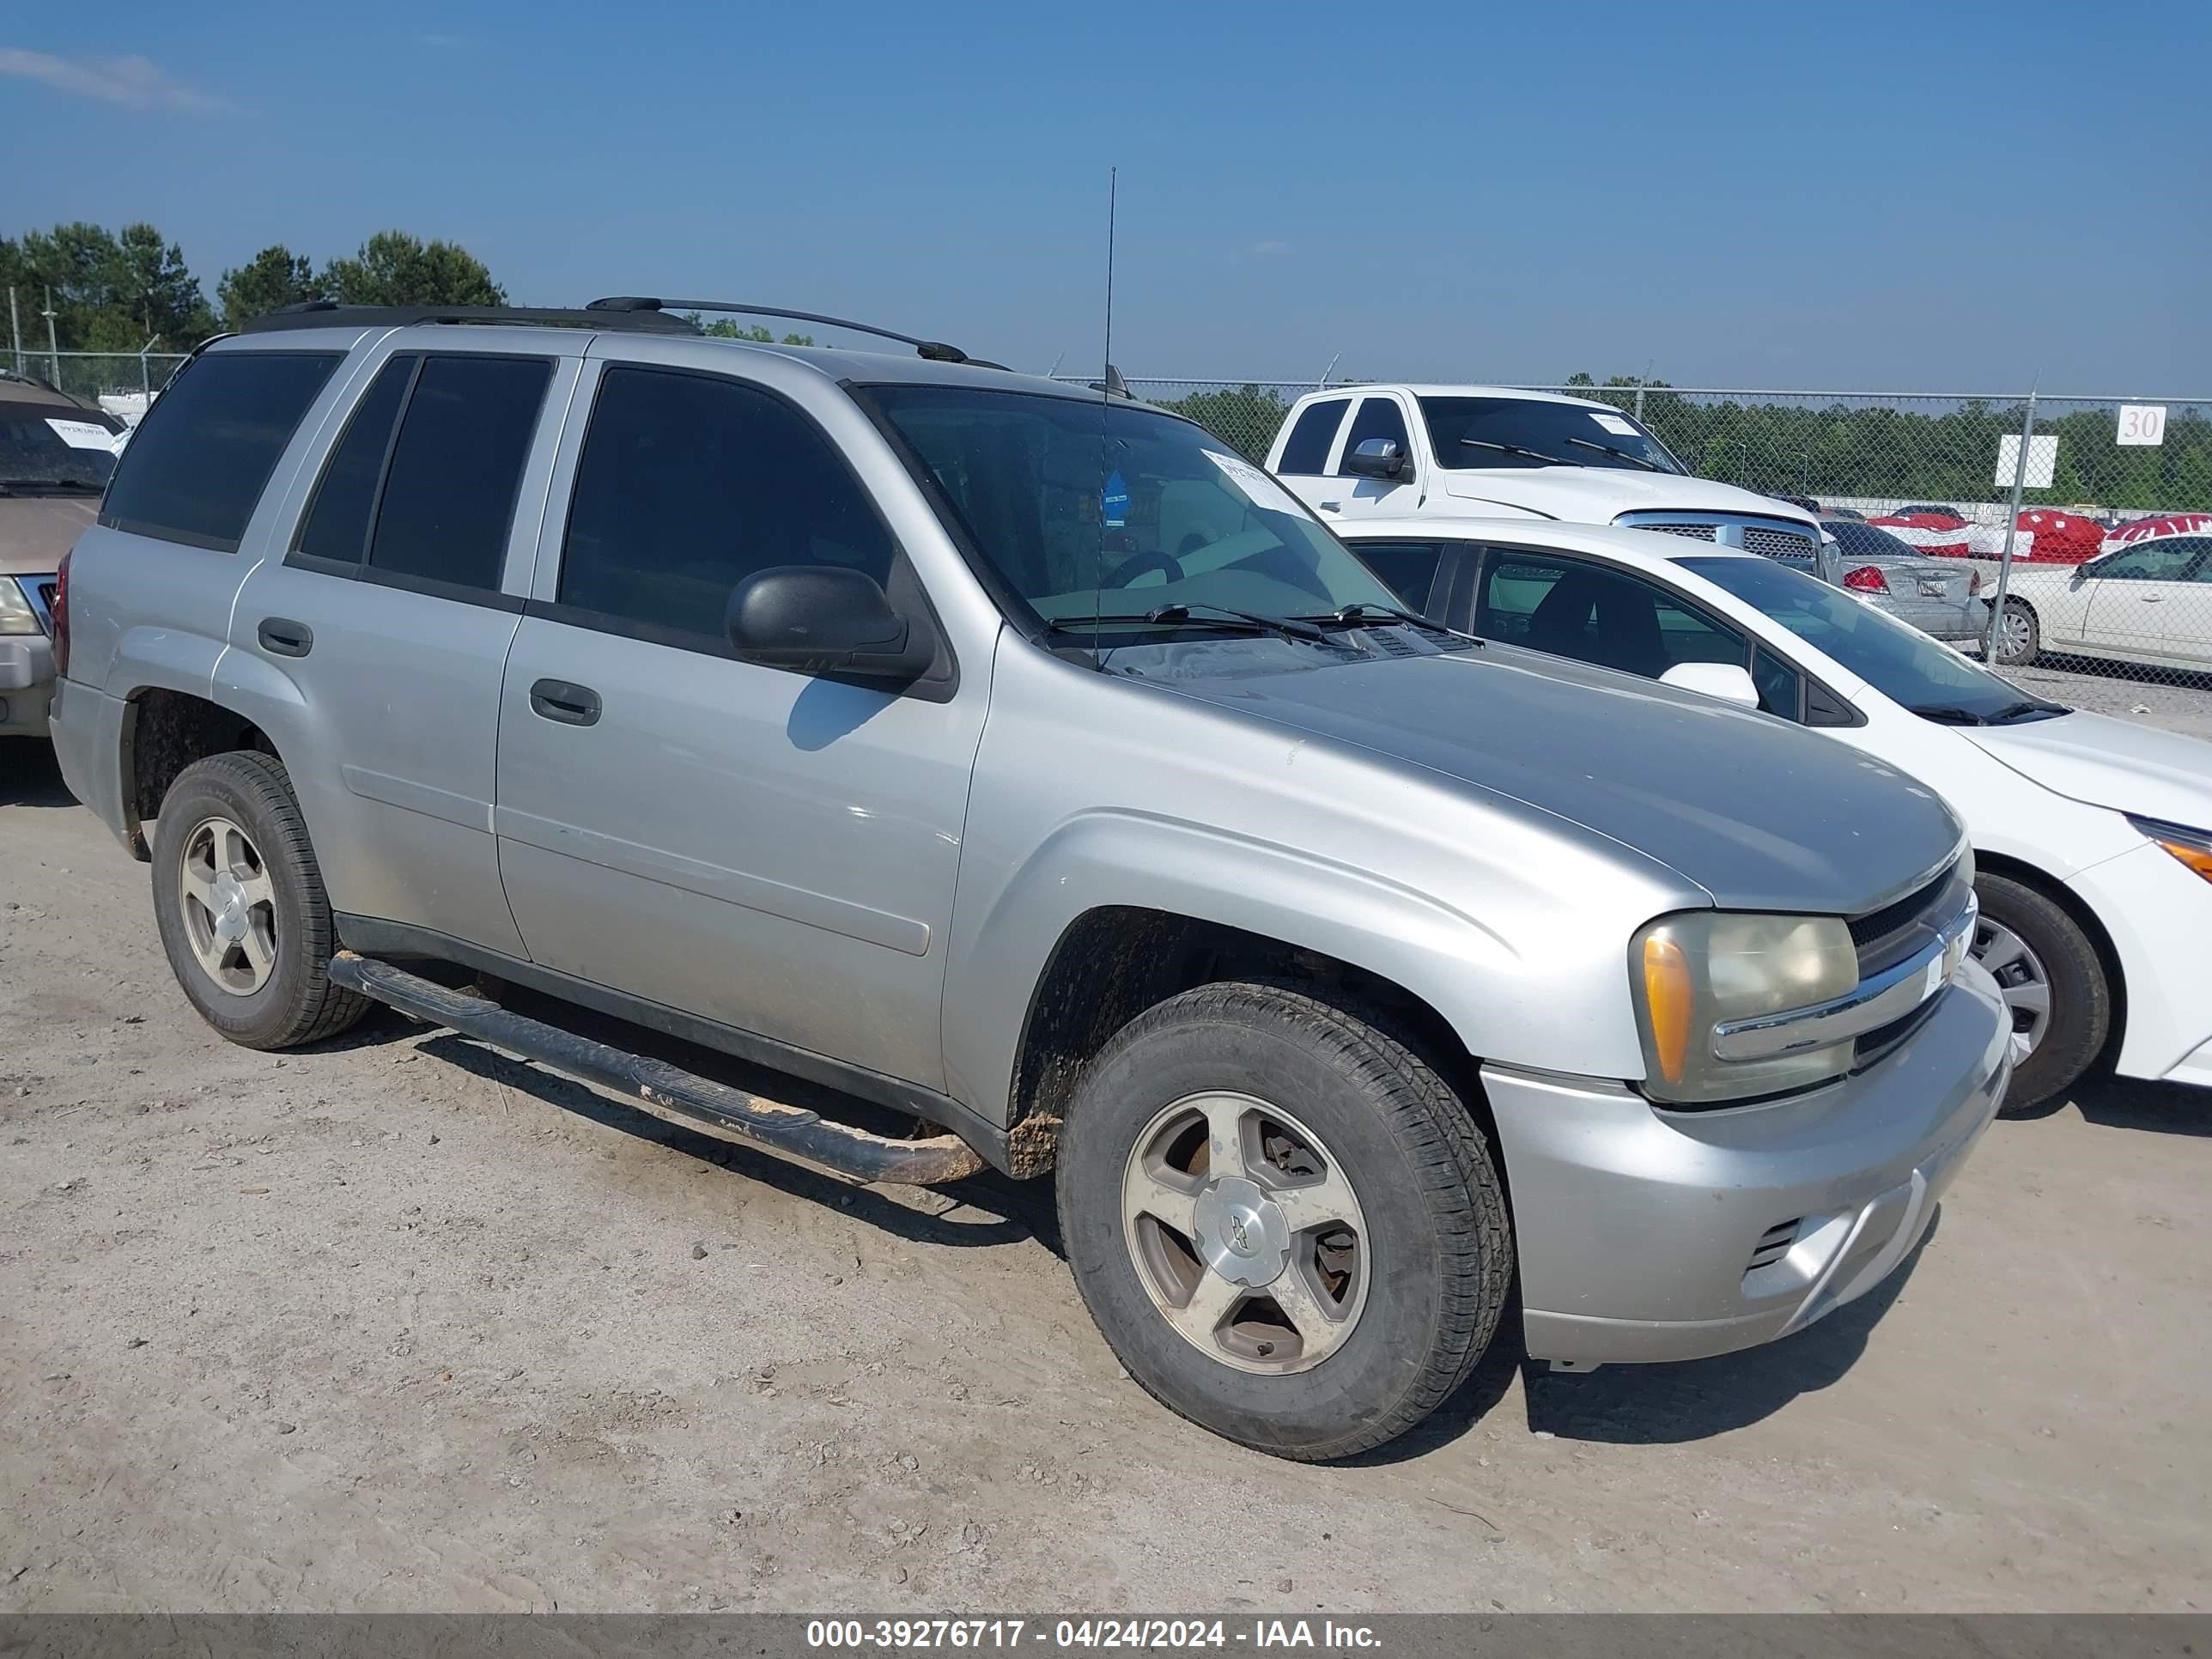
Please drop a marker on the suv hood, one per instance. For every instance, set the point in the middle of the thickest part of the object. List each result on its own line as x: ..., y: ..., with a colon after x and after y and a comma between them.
x: 1762, y: 815
x: 2103, y: 761
x: 35, y: 531
x: 1598, y: 495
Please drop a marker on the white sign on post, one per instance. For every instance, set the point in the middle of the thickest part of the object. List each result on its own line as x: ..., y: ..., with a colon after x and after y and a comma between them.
x: 2142, y: 424
x: 2042, y: 461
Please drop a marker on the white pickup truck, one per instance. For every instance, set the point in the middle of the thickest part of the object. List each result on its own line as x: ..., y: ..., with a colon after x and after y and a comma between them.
x: 1486, y: 451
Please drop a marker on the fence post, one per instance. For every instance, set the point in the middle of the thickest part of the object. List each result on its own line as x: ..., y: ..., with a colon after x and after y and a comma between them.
x: 15, y: 328
x: 2012, y: 529
x: 1639, y: 403
x: 53, y: 346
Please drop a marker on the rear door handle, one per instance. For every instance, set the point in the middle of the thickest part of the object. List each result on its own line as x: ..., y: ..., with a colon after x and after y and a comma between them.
x: 282, y: 637
x: 566, y: 701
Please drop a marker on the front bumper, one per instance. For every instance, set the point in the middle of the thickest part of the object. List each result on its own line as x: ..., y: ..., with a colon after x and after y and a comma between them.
x: 26, y: 684
x: 1648, y: 1234
x: 2158, y: 914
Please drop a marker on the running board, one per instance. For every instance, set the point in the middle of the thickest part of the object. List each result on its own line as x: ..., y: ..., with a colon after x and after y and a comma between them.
x: 837, y: 1150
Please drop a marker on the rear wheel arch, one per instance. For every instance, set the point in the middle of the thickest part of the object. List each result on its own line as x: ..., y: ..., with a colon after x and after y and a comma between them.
x: 164, y: 732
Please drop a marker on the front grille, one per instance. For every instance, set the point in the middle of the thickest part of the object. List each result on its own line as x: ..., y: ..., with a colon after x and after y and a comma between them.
x: 1871, y: 1046
x: 40, y: 591
x: 1700, y: 532
x: 1888, y: 936
x: 1776, y: 543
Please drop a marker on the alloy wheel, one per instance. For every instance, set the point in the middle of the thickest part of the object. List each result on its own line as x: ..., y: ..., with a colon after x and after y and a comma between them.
x: 1245, y: 1233
x: 229, y: 907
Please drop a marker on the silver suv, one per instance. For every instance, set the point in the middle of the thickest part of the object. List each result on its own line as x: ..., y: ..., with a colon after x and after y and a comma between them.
x: 1023, y: 761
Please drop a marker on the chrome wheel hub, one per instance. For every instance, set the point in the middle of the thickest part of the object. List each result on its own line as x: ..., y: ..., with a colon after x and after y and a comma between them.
x: 229, y: 907
x: 2013, y: 635
x: 2023, y: 978
x: 1245, y: 1233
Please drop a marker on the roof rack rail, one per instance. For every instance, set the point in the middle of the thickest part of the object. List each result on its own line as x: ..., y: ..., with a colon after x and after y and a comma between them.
x: 329, y: 313
x: 935, y: 350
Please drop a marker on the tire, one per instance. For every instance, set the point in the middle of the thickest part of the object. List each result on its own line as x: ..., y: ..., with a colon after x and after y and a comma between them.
x: 272, y: 989
x: 2019, y: 637
x: 1433, y: 1256
x: 2040, y: 954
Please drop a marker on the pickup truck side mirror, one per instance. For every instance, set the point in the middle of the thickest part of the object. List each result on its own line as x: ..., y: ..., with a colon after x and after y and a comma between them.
x: 1728, y: 681
x: 1375, y: 458
x: 824, y: 619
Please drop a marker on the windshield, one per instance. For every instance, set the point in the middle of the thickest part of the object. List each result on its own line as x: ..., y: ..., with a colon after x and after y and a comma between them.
x: 1516, y: 432
x: 55, y: 446
x: 1898, y: 660
x: 1086, y: 509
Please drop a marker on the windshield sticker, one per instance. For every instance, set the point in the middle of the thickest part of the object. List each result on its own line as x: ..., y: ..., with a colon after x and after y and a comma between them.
x: 82, y: 434
x: 1257, y: 487
x: 1113, y: 502
x: 1615, y: 425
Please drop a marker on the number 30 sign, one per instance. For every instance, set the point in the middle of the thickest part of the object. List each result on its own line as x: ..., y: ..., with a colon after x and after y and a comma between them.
x: 2142, y: 424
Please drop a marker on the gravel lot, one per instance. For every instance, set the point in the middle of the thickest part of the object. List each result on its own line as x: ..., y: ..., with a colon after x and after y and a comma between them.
x: 399, y: 1324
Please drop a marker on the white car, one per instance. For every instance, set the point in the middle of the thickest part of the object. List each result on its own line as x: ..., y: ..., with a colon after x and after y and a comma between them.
x: 1488, y: 452
x: 2092, y: 837
x: 2146, y: 602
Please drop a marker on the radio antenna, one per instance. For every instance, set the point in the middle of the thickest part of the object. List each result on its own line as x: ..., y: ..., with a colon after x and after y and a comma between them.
x: 1106, y: 486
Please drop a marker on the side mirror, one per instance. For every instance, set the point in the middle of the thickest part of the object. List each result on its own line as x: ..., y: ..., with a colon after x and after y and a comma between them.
x: 1728, y: 681
x: 822, y: 619
x: 1375, y: 458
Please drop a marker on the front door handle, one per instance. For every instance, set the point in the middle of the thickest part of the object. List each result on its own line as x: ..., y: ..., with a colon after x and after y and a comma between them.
x: 282, y: 637
x: 2151, y: 598
x: 566, y: 701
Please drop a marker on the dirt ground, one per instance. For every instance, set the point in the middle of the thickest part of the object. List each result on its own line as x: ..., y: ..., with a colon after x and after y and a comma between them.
x: 399, y: 1324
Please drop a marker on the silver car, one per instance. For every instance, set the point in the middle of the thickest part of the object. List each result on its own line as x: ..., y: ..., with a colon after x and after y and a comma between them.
x: 55, y: 452
x: 1024, y: 762
x: 1941, y: 597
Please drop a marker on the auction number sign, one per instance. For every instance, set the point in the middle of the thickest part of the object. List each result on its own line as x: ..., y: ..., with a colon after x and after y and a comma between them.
x: 2142, y: 424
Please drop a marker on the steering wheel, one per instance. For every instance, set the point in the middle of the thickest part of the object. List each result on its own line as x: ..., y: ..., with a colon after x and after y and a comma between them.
x: 1137, y: 563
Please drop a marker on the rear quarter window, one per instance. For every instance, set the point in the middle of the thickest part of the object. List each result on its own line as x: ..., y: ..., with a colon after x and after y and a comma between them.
x: 198, y: 462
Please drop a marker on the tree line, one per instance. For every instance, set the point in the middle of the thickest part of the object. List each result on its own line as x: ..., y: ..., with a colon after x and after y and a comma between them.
x: 1947, y: 453
x: 131, y: 289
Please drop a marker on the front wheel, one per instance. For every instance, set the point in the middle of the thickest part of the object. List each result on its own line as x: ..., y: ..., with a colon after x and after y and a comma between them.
x: 2054, y: 987
x: 240, y: 905
x: 2020, y: 638
x: 1285, y: 1223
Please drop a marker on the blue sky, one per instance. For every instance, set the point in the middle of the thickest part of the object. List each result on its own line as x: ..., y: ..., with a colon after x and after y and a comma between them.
x: 1936, y: 195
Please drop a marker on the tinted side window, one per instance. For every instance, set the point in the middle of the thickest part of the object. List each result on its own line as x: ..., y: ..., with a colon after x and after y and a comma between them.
x: 1307, y: 449
x: 688, y: 484
x: 1407, y: 568
x: 449, y: 492
x: 201, y: 458
x: 1596, y: 616
x: 1780, y: 686
x: 1378, y: 417
x: 336, y: 524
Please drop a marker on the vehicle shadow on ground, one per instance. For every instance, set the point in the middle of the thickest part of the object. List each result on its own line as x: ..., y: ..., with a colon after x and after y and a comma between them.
x: 2115, y: 1103
x: 983, y: 1210
x: 1666, y: 1405
x: 29, y: 776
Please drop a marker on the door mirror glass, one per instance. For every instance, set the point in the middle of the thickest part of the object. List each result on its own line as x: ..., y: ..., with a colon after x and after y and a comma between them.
x: 1729, y: 681
x: 825, y: 619
x: 1375, y: 458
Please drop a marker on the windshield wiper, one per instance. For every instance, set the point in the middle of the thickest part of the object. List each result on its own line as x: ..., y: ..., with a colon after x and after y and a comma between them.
x: 1607, y: 449
x: 2017, y: 711
x: 1515, y: 449
x: 1171, y: 615
x: 1948, y: 715
x: 1361, y: 613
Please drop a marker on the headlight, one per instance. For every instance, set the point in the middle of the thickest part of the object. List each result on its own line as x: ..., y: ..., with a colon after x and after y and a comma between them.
x: 1702, y: 970
x: 2192, y: 847
x: 16, y: 615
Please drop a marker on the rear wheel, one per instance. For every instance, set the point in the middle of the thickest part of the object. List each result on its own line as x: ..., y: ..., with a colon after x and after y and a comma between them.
x: 241, y: 908
x: 1284, y: 1222
x: 2020, y: 638
x: 2053, y: 983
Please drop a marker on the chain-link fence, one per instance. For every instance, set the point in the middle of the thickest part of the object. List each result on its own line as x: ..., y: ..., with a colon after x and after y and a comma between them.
x: 121, y: 382
x: 2126, y: 482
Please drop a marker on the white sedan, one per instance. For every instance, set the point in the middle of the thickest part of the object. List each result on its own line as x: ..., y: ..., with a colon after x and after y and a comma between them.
x: 2092, y: 837
x: 2145, y: 602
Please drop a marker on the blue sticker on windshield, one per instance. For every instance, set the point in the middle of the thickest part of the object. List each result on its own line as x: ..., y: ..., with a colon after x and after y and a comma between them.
x: 1113, y: 502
